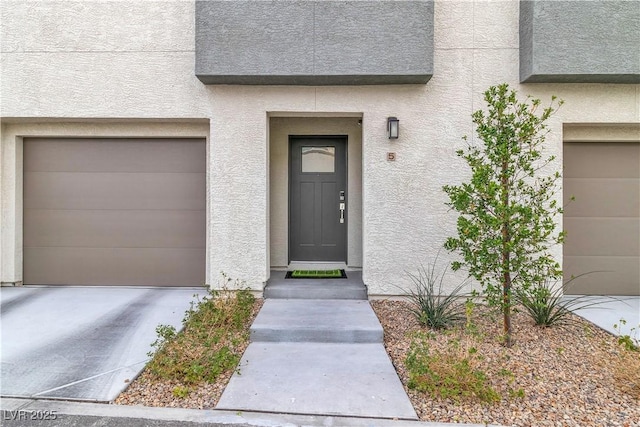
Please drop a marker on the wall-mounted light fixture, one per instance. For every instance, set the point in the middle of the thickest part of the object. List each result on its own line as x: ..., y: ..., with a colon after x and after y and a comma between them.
x: 393, y: 127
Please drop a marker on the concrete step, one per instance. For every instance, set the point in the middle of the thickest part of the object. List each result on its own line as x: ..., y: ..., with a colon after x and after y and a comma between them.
x: 317, y: 379
x: 351, y: 288
x: 326, y: 321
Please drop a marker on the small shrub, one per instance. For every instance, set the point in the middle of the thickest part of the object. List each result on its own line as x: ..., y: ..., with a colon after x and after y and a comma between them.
x: 545, y: 304
x: 431, y: 304
x: 214, y: 329
x: 222, y: 361
x: 180, y: 391
x: 449, y: 374
x: 627, y: 341
x: 165, y: 333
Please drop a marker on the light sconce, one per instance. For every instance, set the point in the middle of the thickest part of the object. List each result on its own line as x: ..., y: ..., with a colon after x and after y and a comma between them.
x: 393, y: 127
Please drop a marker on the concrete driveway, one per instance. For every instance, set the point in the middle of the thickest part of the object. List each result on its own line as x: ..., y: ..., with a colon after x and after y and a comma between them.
x: 608, y: 311
x: 81, y: 343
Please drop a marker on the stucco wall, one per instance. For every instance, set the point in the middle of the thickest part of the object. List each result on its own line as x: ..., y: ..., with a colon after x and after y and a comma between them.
x: 99, y: 59
x: 145, y: 69
x: 280, y: 129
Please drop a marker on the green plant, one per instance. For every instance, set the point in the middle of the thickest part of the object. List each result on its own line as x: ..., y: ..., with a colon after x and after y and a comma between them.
x: 215, y: 329
x: 505, y: 373
x: 469, y: 325
x: 546, y: 305
x: 165, y: 333
x: 430, y: 304
x: 507, y: 210
x: 180, y: 391
x: 628, y: 341
x: 517, y: 394
x: 449, y: 374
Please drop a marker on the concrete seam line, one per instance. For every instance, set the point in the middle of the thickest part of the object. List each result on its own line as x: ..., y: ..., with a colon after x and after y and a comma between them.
x: 89, y: 378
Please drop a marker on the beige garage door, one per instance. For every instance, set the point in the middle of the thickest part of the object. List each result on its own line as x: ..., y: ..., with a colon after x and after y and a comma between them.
x: 603, y: 222
x: 114, y: 211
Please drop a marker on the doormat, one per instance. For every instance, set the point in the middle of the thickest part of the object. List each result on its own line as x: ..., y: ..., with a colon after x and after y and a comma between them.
x: 316, y: 274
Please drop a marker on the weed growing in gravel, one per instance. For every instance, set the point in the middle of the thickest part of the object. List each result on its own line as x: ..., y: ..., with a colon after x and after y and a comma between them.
x: 181, y: 391
x: 214, y: 329
x: 629, y: 342
x: 517, y: 394
x: 469, y: 324
x: 451, y: 373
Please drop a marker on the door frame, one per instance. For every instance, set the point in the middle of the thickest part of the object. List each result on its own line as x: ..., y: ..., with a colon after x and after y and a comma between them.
x: 345, y: 139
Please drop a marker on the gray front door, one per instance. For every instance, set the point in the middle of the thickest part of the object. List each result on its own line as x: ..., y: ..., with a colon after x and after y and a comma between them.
x: 318, y: 199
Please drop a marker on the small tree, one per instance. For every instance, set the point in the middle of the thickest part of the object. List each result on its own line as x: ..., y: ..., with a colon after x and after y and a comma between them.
x: 508, y: 208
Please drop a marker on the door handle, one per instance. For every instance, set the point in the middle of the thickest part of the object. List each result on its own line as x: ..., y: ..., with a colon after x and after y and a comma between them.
x: 342, y: 212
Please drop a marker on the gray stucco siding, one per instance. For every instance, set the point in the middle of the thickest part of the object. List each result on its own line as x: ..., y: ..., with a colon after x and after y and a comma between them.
x: 254, y: 38
x: 580, y: 42
x: 314, y: 42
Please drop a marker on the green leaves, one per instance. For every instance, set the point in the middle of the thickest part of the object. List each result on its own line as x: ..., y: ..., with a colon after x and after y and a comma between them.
x: 546, y: 305
x: 430, y: 303
x: 211, y: 342
x: 451, y: 373
x: 508, y: 207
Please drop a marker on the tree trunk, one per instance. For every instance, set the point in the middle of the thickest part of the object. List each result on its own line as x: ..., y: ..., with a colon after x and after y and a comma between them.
x: 506, y: 308
x: 506, y: 268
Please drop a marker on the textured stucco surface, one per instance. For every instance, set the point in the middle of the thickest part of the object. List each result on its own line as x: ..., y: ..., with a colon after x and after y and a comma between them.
x: 314, y: 42
x: 81, y: 26
x: 280, y: 129
x: 99, y: 59
x: 579, y: 42
x: 404, y: 219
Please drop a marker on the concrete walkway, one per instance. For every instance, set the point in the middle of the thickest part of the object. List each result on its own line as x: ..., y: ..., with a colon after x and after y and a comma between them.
x: 318, y: 356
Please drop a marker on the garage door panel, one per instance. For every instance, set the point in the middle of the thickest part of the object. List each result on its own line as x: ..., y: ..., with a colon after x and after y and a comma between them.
x: 114, y: 155
x: 602, y: 160
x: 123, y: 266
x: 64, y: 190
x: 619, y: 276
x: 114, y: 229
x: 602, y: 197
x: 603, y: 223
x: 114, y: 211
x: 602, y: 236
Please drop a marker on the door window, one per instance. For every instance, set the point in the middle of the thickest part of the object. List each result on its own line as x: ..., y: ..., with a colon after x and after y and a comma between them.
x: 318, y: 159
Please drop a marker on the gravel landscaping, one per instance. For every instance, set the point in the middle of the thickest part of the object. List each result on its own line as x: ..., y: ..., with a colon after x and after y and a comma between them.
x: 561, y: 376
x: 151, y: 390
